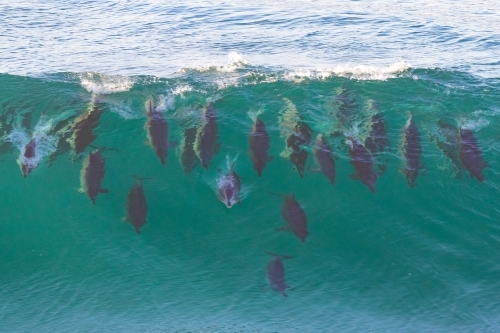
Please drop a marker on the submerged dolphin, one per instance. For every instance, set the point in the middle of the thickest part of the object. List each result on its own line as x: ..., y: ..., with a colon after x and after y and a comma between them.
x: 137, y: 207
x: 412, y: 150
x: 276, y: 273
x: 82, y: 129
x: 362, y: 162
x: 206, y: 145
x: 229, y: 187
x: 471, y: 154
x: 346, y: 110
x: 259, y: 146
x: 157, y: 130
x: 301, y: 136
x: 377, y: 140
x: 324, y: 158
x: 296, y: 133
x: 189, y: 160
x: 295, y: 218
x: 450, y: 144
x: 92, y: 175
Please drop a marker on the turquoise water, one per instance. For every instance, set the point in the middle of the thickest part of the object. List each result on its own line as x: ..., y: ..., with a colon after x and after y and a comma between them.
x: 402, y: 259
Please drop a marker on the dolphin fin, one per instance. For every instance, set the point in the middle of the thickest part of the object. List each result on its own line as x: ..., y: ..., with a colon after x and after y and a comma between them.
x: 103, y: 191
x: 270, y: 158
x: 354, y: 177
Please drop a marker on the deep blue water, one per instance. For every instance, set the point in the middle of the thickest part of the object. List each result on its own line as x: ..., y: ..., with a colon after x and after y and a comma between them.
x: 393, y: 258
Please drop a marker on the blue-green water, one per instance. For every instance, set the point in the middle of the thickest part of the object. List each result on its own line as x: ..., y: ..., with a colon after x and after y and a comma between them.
x: 420, y: 259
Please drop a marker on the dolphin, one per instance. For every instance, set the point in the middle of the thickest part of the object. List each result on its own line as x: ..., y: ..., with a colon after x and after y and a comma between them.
x: 301, y: 136
x: 29, y: 154
x: 82, y: 129
x: 324, y: 158
x: 412, y: 151
x: 92, y: 175
x: 259, y: 146
x: 377, y: 140
x: 362, y: 162
x: 294, y: 216
x: 471, y: 155
x: 206, y: 145
x: 157, y: 130
x: 346, y: 108
x: 276, y: 273
x: 299, y: 158
x: 229, y: 187
x: 189, y: 160
x: 137, y: 207
x: 450, y: 145
x: 296, y: 133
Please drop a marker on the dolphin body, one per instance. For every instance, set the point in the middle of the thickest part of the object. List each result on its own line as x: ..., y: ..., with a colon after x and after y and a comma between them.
x: 157, y: 130
x: 137, y: 207
x: 362, y: 162
x: 295, y: 218
x: 377, y: 140
x: 471, y: 155
x: 346, y: 111
x: 92, y: 175
x: 188, y: 157
x: 276, y: 274
x: 412, y: 150
x: 83, y: 127
x: 450, y: 145
x: 206, y: 145
x: 296, y: 133
x: 29, y: 154
x: 229, y: 187
x: 301, y: 136
x: 259, y: 146
x: 324, y: 158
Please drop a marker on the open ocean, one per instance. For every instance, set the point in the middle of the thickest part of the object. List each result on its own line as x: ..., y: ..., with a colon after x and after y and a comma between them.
x: 125, y: 126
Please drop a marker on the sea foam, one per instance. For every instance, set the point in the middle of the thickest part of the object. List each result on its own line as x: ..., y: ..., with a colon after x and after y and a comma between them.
x: 102, y: 84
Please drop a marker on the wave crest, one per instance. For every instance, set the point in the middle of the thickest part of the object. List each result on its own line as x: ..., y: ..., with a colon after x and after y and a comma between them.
x: 357, y: 72
x: 103, y: 84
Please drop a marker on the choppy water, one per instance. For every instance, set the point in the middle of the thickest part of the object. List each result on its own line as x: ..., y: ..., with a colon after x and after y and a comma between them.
x: 403, y: 259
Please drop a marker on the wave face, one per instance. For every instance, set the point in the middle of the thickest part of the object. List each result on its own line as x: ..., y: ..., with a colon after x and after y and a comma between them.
x: 419, y: 258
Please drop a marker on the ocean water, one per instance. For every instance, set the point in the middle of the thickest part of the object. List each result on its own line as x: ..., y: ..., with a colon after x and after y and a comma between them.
x: 400, y: 258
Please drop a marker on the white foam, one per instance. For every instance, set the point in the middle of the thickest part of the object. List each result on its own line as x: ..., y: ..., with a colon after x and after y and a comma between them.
x: 167, y: 102
x: 125, y: 111
x: 45, y: 144
x: 235, y: 62
x: 103, y: 84
x: 474, y: 125
x: 180, y: 90
x: 356, y: 71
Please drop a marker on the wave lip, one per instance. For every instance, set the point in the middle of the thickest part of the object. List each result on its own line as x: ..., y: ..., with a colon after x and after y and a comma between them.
x: 103, y: 84
x: 235, y: 62
x: 358, y: 72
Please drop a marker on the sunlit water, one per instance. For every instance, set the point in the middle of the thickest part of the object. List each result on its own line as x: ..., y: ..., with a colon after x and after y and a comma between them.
x: 402, y: 259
